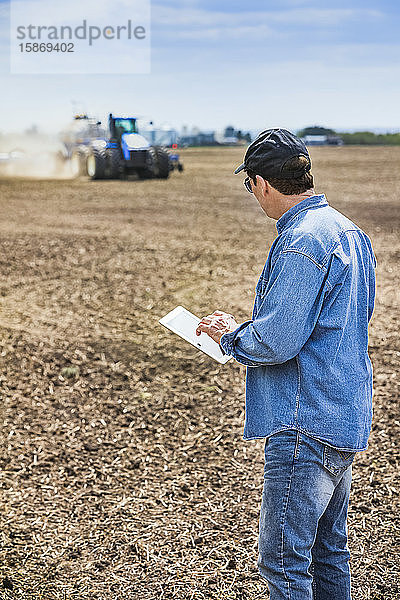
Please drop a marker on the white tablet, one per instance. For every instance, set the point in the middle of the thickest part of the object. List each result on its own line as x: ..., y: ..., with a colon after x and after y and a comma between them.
x: 184, y: 323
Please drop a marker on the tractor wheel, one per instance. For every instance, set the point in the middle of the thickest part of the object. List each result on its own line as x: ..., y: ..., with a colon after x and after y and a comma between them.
x: 115, y: 163
x: 144, y: 173
x: 163, y: 164
x: 150, y: 171
x: 96, y: 163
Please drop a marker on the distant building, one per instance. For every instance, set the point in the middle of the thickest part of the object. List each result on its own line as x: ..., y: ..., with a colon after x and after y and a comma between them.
x: 227, y: 137
x: 163, y: 136
x: 206, y: 138
x: 200, y: 138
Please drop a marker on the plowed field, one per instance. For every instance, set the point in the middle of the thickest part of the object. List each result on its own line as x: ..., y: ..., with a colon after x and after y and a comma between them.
x: 123, y: 471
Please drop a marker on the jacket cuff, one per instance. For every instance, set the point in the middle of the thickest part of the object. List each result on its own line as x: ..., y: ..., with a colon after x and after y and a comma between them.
x: 227, y: 341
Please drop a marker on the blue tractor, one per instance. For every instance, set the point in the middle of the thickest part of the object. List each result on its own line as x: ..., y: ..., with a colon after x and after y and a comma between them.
x: 118, y: 152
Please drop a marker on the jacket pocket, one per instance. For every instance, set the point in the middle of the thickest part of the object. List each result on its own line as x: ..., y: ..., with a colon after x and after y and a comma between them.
x: 337, y: 461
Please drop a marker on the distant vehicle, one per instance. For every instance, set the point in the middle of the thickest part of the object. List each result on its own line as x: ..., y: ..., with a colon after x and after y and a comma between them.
x: 116, y: 152
x: 322, y: 140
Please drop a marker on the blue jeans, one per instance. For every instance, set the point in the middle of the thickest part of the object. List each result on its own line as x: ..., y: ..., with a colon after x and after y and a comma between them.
x: 303, y: 551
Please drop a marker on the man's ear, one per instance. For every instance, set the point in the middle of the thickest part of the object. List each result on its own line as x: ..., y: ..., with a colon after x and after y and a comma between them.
x: 263, y: 185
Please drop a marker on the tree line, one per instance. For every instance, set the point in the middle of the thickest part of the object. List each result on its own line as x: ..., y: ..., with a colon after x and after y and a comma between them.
x: 357, y: 138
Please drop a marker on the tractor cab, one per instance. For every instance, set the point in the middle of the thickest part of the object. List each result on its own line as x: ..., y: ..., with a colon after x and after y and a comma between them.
x: 120, y: 125
x: 124, y: 135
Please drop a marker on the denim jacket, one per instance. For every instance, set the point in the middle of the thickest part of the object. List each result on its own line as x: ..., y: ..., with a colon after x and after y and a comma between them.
x: 306, y: 345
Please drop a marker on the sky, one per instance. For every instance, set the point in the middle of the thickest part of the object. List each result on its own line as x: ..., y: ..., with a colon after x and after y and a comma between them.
x: 252, y: 64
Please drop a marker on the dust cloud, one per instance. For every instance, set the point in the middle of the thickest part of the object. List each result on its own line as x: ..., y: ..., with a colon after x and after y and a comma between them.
x: 33, y: 155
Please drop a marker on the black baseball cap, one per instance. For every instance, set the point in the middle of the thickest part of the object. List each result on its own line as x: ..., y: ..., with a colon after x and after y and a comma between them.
x: 270, y: 151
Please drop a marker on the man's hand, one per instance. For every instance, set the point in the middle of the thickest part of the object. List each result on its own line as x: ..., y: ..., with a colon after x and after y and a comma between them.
x: 216, y: 325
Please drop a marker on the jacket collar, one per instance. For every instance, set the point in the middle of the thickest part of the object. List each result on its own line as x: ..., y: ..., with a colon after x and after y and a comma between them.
x: 311, y: 202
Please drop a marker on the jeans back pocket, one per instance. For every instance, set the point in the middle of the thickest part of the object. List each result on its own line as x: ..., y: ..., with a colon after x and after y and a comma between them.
x: 337, y: 461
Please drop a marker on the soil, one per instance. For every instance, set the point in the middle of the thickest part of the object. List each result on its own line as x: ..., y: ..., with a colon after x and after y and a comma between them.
x: 123, y: 472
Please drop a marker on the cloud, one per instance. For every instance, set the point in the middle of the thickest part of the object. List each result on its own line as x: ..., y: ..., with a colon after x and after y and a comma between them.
x: 322, y: 16
x: 196, y: 18
x: 193, y: 36
x: 217, y: 33
x: 190, y: 24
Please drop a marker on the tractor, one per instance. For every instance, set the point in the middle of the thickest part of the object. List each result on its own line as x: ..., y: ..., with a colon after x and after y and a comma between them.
x: 116, y: 153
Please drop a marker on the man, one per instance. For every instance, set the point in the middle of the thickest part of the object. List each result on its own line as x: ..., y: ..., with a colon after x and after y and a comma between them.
x: 309, y: 377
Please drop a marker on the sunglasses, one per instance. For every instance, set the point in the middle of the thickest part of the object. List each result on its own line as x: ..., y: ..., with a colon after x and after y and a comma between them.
x: 247, y: 185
